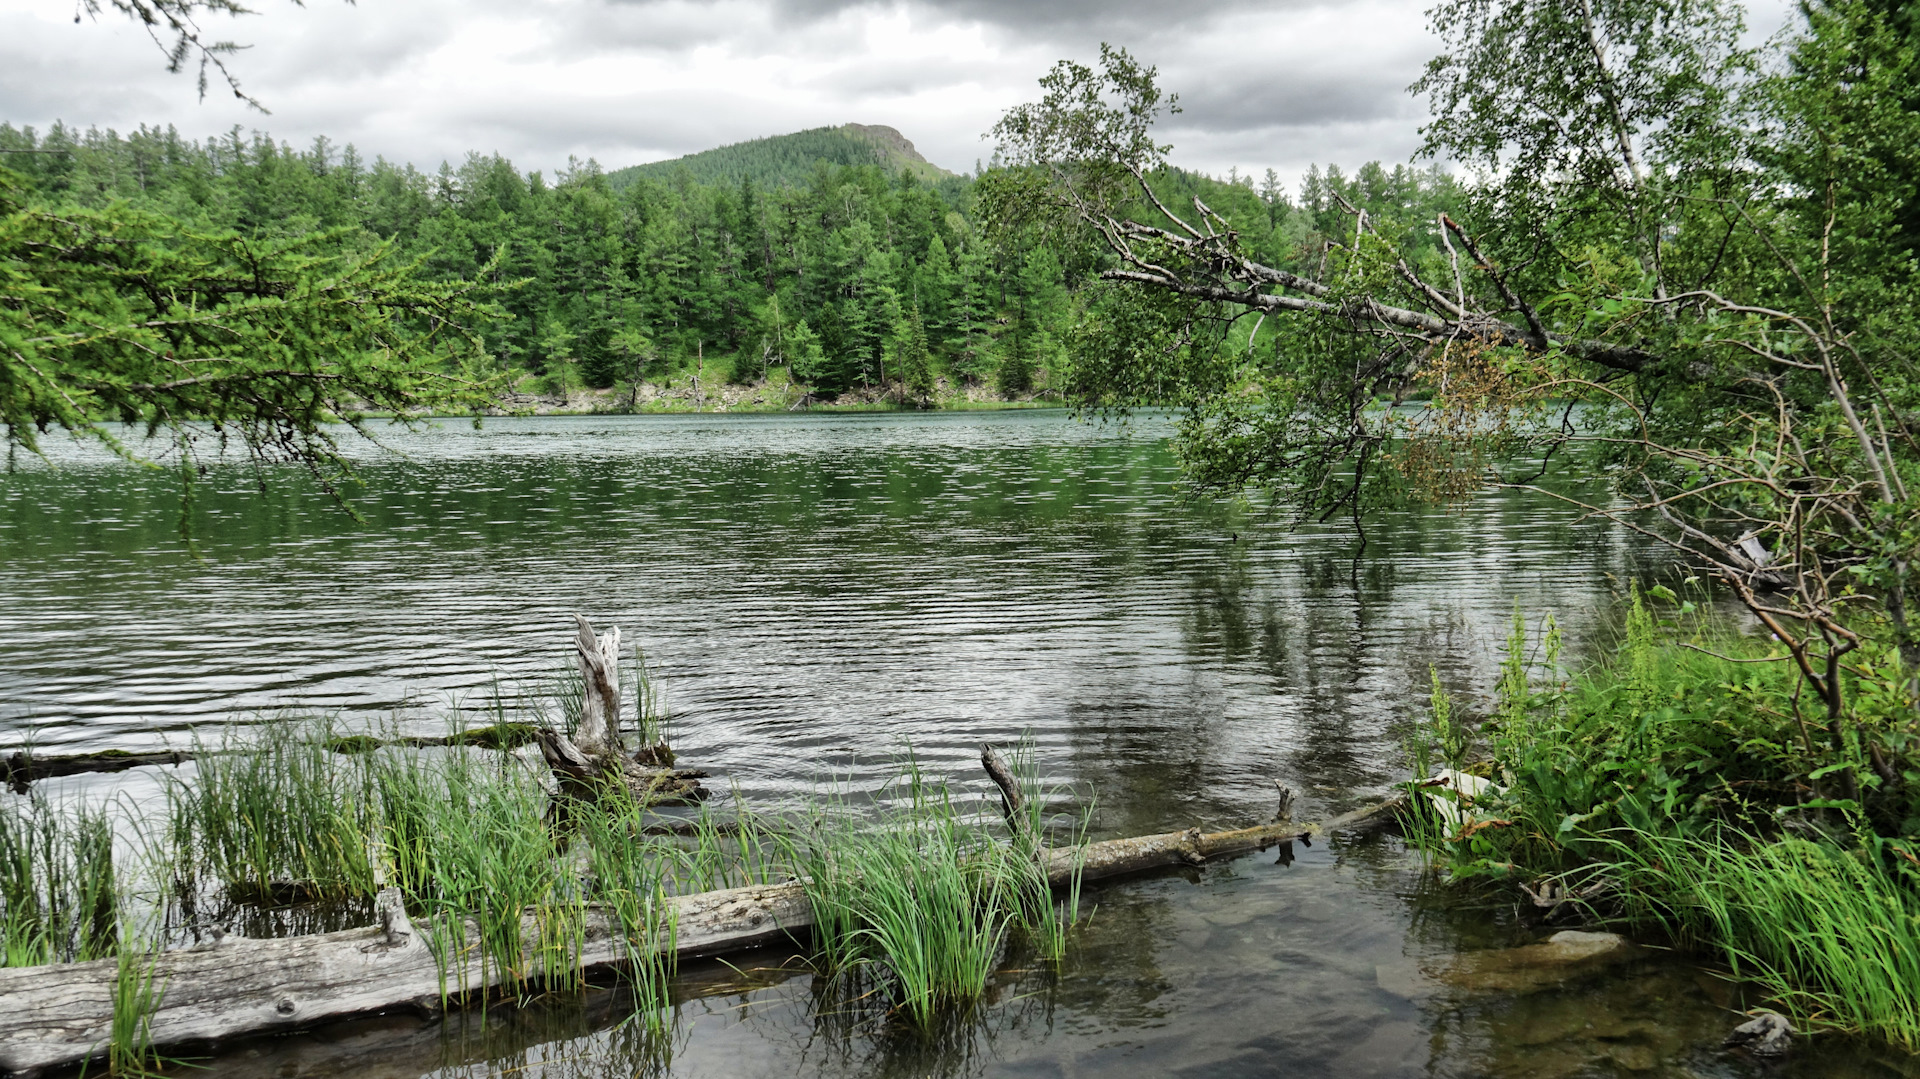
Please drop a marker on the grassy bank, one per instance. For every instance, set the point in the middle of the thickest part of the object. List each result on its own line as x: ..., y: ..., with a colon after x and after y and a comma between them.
x: 1686, y: 783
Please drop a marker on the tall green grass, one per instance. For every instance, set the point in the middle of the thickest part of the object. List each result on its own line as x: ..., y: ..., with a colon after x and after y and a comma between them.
x: 1675, y: 783
x: 469, y: 840
x: 282, y: 807
x: 59, y: 894
x: 914, y: 903
x: 137, y: 992
x: 1832, y: 934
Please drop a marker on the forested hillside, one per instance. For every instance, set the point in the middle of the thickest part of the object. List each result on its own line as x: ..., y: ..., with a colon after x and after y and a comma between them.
x: 856, y: 276
x: 790, y: 160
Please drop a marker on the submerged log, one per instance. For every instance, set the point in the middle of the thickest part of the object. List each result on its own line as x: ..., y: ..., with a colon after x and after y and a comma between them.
x: 501, y: 736
x: 23, y: 767
x: 1115, y: 857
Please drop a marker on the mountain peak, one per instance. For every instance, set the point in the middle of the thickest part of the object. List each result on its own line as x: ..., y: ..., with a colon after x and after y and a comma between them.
x: 790, y: 160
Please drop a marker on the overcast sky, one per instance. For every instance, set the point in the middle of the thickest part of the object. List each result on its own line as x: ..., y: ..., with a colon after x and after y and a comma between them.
x: 1264, y: 83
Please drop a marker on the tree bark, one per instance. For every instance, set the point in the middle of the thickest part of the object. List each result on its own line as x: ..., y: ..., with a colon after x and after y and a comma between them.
x: 21, y: 767
x: 1012, y: 802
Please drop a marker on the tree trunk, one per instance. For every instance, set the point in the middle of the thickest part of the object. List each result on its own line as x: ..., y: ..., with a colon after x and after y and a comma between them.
x: 58, y: 1016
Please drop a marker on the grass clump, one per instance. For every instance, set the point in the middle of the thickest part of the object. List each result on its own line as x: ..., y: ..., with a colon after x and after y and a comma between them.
x: 1832, y: 933
x: 468, y: 842
x: 913, y: 905
x: 59, y: 897
x: 137, y: 993
x: 281, y: 808
x: 1678, y: 783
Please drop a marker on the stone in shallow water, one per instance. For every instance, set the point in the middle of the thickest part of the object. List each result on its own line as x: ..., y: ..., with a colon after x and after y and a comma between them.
x: 1564, y: 955
x: 1766, y: 1035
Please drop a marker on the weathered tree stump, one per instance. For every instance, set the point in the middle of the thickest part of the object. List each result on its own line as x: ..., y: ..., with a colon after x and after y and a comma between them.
x: 596, y: 755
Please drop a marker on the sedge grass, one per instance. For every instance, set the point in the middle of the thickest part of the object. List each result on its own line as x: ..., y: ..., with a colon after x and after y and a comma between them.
x: 137, y: 993
x: 59, y: 897
x: 283, y: 808
x: 916, y: 902
x: 1832, y: 934
x: 470, y: 842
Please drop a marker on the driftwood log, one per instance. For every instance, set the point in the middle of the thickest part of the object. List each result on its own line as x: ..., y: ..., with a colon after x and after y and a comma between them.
x: 58, y: 1016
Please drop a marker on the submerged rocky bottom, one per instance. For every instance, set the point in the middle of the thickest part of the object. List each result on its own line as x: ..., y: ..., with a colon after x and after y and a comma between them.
x: 1348, y: 962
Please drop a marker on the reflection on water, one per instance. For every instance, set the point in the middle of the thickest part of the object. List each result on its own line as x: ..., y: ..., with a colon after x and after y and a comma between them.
x: 819, y: 591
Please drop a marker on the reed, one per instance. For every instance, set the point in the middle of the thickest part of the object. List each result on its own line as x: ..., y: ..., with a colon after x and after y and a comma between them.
x: 59, y: 896
x: 915, y: 902
x: 650, y: 714
x: 633, y: 876
x: 1041, y: 916
x: 469, y: 842
x: 282, y: 807
x: 1832, y: 934
x: 136, y: 996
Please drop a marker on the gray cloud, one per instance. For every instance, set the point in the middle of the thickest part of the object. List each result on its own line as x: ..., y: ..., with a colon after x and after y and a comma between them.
x: 1074, y: 18
x: 1263, y: 102
x: 1264, y: 83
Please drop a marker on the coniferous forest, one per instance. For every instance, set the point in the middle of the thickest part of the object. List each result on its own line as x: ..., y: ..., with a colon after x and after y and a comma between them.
x: 874, y: 277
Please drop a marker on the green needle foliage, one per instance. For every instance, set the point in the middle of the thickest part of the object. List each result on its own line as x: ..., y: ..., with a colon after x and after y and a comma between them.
x: 213, y: 338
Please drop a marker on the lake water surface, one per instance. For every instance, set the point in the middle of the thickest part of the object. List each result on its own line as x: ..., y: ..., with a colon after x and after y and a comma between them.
x: 819, y: 592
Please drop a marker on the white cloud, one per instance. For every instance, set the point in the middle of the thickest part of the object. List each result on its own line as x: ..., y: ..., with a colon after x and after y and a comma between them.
x: 1266, y: 83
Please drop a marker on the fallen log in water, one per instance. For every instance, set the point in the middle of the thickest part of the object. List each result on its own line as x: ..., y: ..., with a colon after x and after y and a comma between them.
x: 23, y: 767
x: 61, y: 1015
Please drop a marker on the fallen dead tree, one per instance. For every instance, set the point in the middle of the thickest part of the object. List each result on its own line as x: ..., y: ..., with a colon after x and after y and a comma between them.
x: 62, y: 1015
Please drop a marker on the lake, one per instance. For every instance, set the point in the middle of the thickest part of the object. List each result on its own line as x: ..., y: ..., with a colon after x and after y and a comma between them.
x: 820, y: 593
